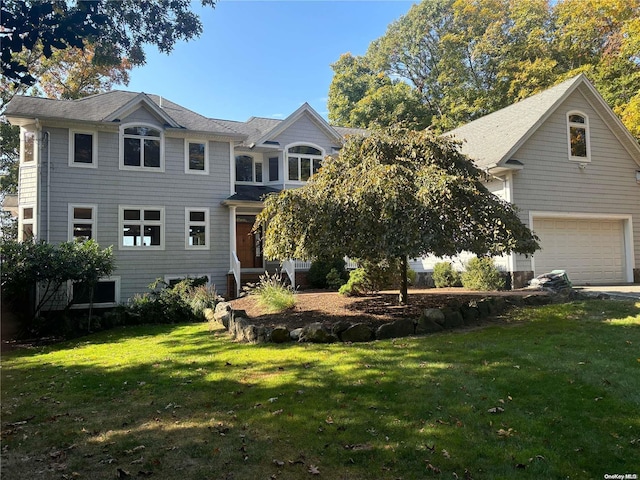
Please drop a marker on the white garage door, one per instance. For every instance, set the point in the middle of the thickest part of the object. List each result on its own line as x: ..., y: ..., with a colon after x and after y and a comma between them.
x: 591, y: 251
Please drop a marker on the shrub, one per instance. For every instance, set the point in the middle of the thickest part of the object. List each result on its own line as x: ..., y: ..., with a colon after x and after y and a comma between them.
x: 444, y: 275
x: 482, y: 274
x: 335, y: 279
x: 273, y: 293
x: 321, y: 267
x: 183, y: 302
x: 358, y: 283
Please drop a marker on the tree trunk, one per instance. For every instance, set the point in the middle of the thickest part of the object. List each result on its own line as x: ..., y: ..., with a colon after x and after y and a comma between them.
x: 404, y: 295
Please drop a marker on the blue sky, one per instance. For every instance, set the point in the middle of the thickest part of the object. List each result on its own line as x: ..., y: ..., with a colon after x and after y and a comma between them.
x: 264, y: 58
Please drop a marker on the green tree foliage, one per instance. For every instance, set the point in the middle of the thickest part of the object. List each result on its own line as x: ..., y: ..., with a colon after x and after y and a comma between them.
x: 391, y: 195
x: 26, y: 265
x: 116, y: 29
x: 466, y: 59
x: 481, y: 273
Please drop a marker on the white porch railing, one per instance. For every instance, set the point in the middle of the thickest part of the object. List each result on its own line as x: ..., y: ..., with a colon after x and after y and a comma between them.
x: 305, y: 265
x: 289, y: 267
x: 349, y: 264
x: 235, y: 269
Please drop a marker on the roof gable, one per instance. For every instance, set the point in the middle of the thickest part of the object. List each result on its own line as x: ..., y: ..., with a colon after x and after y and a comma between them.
x: 273, y: 130
x: 490, y: 141
x: 141, y: 101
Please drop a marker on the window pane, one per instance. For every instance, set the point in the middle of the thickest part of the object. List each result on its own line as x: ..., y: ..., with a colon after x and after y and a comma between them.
x: 197, y: 235
x: 305, y: 167
x: 27, y: 231
x: 83, y: 148
x: 152, y: 153
x: 131, y: 236
x: 29, y: 142
x: 103, y: 292
x: 293, y: 168
x: 578, y: 142
x: 132, y: 152
x: 305, y: 149
x: 259, y: 172
x: 82, y: 231
x: 196, y: 156
x: 27, y: 213
x: 196, y: 216
x: 273, y: 169
x: 151, y: 235
x: 316, y: 165
x: 132, y: 214
x: 83, y: 213
x: 142, y: 131
x: 244, y: 168
x: 576, y: 119
x: 152, y: 214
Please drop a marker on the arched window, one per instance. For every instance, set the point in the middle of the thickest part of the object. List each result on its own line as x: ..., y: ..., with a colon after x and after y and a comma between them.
x: 303, y: 161
x: 248, y: 170
x: 578, y: 136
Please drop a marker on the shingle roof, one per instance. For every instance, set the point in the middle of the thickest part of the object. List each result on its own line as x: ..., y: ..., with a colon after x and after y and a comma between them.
x: 97, y: 108
x: 491, y: 139
x: 251, y: 193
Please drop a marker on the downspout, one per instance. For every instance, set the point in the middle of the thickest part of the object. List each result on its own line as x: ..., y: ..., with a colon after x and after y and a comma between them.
x: 38, y: 179
x: 48, y: 183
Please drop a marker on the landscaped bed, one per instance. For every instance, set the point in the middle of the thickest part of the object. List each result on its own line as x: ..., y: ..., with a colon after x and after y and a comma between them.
x: 377, y: 315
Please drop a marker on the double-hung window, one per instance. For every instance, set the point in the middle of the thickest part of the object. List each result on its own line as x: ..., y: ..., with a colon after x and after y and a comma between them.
x: 196, y: 228
x: 578, y: 137
x: 83, y: 150
x: 141, y: 228
x: 27, y: 146
x: 141, y: 148
x: 196, y: 157
x: 303, y: 161
x: 82, y: 222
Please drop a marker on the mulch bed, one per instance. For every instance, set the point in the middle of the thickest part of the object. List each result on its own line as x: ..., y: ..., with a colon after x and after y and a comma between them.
x: 375, y: 309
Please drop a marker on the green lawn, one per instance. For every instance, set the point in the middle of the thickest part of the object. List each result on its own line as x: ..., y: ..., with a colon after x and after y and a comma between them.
x: 180, y: 402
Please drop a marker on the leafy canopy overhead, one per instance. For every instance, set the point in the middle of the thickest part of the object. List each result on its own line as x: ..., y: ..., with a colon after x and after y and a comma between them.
x: 396, y: 193
x: 117, y: 29
x: 467, y: 59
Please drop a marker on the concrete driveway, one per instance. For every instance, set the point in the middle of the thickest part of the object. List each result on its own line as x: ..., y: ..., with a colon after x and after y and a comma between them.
x: 621, y: 291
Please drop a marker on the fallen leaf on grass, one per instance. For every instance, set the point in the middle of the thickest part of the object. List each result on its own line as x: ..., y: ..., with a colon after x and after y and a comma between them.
x: 446, y: 454
x: 122, y: 473
x: 138, y: 461
x: 433, y: 469
x: 278, y: 463
x: 359, y: 447
x: 496, y: 410
x: 506, y: 433
x: 313, y: 470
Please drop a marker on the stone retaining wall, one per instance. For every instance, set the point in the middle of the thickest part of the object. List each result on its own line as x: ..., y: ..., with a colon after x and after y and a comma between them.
x: 431, y: 320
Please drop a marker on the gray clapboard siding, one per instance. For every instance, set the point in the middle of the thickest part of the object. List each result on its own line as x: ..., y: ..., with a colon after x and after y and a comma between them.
x: 305, y: 131
x: 551, y: 182
x: 108, y: 188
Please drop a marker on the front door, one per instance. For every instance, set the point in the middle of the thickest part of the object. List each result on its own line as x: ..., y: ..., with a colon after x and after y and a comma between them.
x: 248, y: 245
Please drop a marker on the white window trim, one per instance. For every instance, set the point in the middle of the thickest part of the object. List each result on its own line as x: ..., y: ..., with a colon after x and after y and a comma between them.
x: 121, y: 222
x: 299, y: 156
x: 254, y: 160
x: 31, y: 221
x: 94, y: 148
x: 115, y: 279
x: 187, y: 170
x: 584, y: 125
x: 141, y: 168
x: 187, y: 223
x: 93, y: 221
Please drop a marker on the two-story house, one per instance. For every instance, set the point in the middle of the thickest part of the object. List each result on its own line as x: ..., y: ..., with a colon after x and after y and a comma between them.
x: 174, y: 192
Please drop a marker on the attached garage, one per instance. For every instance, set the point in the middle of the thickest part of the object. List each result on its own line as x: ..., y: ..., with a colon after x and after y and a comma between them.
x: 591, y: 250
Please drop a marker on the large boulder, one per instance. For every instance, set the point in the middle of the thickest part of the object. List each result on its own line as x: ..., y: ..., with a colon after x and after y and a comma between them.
x: 223, y: 313
x: 470, y: 314
x: 399, y: 328
x: 427, y: 325
x: 316, y: 333
x: 434, y: 315
x: 359, y: 332
x: 280, y: 334
x: 452, y: 318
